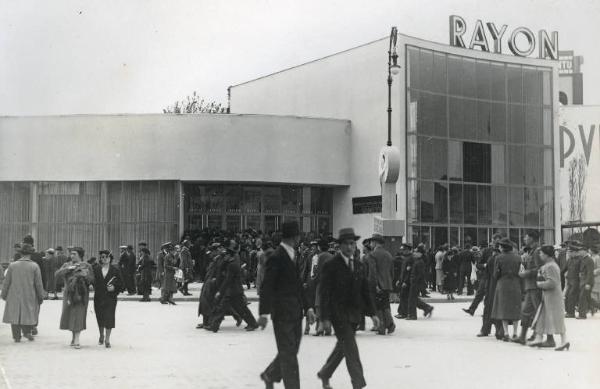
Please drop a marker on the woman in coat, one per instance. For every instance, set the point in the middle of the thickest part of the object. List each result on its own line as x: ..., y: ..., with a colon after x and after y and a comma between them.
x: 77, y: 276
x: 23, y: 292
x: 169, y: 285
x: 146, y: 269
x: 450, y: 266
x: 550, y: 318
x: 108, y: 283
x: 507, y: 300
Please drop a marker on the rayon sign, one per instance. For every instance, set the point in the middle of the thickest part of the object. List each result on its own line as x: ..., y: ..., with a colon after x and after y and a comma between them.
x: 548, y: 48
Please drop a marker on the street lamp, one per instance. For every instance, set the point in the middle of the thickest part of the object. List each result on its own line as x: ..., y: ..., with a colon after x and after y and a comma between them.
x: 393, y: 69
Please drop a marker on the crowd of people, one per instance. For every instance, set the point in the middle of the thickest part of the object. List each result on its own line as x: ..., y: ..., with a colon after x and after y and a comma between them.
x: 326, y: 283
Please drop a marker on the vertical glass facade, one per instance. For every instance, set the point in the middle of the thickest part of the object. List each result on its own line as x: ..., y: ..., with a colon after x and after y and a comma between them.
x: 479, y: 149
x: 238, y: 207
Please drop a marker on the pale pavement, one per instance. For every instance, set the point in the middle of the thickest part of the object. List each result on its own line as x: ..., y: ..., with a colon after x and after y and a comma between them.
x: 157, y: 346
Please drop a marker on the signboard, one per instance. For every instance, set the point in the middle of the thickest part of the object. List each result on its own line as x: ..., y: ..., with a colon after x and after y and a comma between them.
x: 369, y: 204
x: 579, y: 159
x: 521, y: 40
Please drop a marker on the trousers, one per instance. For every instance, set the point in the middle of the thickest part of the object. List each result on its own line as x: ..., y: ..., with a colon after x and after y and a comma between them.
x: 479, y: 295
x: 531, y: 302
x: 17, y: 329
x: 382, y: 305
x: 235, y: 303
x: 585, y: 301
x: 345, y: 347
x: 415, y: 302
x: 288, y: 334
x: 571, y: 296
x: 462, y: 274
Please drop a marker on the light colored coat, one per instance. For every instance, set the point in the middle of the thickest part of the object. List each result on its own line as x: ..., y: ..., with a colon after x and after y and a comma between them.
x: 23, y: 291
x: 550, y: 318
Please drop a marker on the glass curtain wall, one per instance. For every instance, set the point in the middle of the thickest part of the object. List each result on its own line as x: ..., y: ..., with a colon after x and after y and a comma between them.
x: 479, y: 149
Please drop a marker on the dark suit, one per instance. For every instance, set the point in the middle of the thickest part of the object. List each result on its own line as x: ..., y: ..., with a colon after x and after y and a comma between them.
x: 283, y: 296
x: 416, y: 280
x: 105, y: 302
x: 232, y: 295
x: 345, y: 298
x: 488, y: 302
x: 464, y: 271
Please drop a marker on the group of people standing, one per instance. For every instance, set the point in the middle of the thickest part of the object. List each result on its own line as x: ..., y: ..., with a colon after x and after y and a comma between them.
x: 24, y: 292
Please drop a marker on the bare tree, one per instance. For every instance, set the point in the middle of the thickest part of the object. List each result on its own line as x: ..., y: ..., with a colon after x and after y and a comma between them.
x: 193, y: 104
x: 577, y: 177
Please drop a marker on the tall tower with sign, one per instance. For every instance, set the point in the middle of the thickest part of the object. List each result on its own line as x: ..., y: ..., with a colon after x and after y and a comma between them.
x: 570, y: 78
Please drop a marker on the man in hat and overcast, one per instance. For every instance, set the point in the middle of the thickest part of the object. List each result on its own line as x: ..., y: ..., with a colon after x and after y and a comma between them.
x: 283, y: 296
x: 586, y: 276
x: 403, y: 279
x: 572, y: 291
x: 23, y: 292
x: 345, y: 298
x: 381, y: 275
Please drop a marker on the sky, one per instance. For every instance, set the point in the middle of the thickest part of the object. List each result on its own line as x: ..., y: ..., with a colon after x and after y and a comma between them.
x: 139, y: 56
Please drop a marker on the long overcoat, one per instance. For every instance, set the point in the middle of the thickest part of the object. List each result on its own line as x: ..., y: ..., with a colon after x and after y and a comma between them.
x: 74, y: 314
x: 551, y: 316
x: 23, y: 291
x: 507, y: 300
x: 168, y: 282
x: 105, y: 302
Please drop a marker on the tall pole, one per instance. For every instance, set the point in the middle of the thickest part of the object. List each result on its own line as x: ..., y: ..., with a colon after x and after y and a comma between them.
x: 389, y: 108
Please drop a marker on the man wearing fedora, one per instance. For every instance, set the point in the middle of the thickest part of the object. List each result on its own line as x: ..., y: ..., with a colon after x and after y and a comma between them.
x: 230, y: 294
x: 344, y: 298
x: 23, y: 292
x: 381, y: 274
x: 283, y: 296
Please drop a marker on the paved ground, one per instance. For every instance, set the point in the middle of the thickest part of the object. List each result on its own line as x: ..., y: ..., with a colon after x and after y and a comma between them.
x: 157, y: 346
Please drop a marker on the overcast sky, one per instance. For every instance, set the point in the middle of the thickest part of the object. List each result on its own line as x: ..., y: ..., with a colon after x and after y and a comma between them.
x: 138, y: 56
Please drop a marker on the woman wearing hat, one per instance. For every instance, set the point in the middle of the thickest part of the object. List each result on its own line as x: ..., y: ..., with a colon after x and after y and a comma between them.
x: 108, y: 283
x: 23, y: 292
x: 77, y: 276
x: 550, y: 318
x: 507, y: 300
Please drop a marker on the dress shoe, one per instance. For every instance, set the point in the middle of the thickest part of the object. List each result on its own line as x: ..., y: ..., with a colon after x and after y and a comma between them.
x: 548, y: 344
x: 172, y: 302
x: 55, y: 298
x: 468, y: 311
x: 17, y: 340
x: 107, y: 345
x: 535, y: 344
x: 200, y: 326
x: 410, y: 318
x: 324, y: 381
x: 425, y: 296
x: 307, y: 330
x: 531, y: 338
x: 482, y: 335
x: 318, y: 333
x: 101, y: 340
x: 163, y: 302
x: 238, y: 322
x: 29, y: 337
x: 565, y: 346
x: 250, y: 328
x: 399, y: 316
x: 187, y: 294
x: 506, y: 338
x: 518, y: 340
x: 391, y: 329
x: 267, y: 381
x: 428, y: 312
x: 569, y: 316
x: 581, y: 317
x: 34, y: 331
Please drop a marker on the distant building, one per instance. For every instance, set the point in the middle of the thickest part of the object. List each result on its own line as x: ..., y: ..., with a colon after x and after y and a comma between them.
x: 570, y: 80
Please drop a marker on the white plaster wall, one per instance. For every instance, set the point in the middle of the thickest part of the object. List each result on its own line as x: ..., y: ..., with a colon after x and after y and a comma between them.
x: 243, y: 148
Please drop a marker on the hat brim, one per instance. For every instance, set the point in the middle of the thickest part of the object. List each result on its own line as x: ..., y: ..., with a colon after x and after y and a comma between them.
x: 349, y: 237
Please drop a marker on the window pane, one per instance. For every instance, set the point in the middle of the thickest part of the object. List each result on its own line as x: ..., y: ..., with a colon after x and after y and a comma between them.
x: 439, y: 236
x: 482, y: 236
x: 548, y: 208
x: 411, y: 158
x: 431, y: 114
x: 516, y: 165
x: 426, y: 69
x: 547, y: 124
x: 533, y: 202
x: 272, y: 199
x: 547, y: 87
x: 498, y: 81
x: 533, y: 125
x: 484, y: 120
x: 426, y: 197
x: 477, y: 162
x: 252, y: 197
x: 548, y: 237
x: 532, y: 86
x: 483, y: 80
x: 456, y: 117
x: 433, y: 157
x: 454, y: 76
x: 454, y: 241
x: 321, y: 201
x: 413, y: 67
x: 516, y: 206
x: 456, y: 203
x: 498, y: 122
x: 413, y: 105
x: 484, y: 204
x: 470, y: 119
x: 499, y: 206
x: 514, y: 84
x: 513, y: 235
x: 497, y: 165
x: 439, y: 73
x: 455, y: 161
x: 440, y: 203
x: 215, y: 198
x: 547, y: 166
x: 517, y: 122
x: 534, y: 171
x: 291, y: 197
x: 469, y: 77
x: 233, y: 198
x: 469, y: 236
x: 470, y: 204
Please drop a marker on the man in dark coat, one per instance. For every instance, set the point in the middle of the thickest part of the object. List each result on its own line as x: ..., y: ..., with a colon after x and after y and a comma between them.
x: 381, y: 275
x: 146, y: 267
x: 533, y: 295
x: 416, y: 278
x: 586, y: 277
x: 124, y: 268
x: 572, y: 292
x: 464, y: 270
x: 315, y: 284
x: 488, y: 302
x: 482, y: 286
x: 230, y: 294
x: 344, y: 297
x: 403, y: 282
x: 283, y: 296
x: 187, y: 265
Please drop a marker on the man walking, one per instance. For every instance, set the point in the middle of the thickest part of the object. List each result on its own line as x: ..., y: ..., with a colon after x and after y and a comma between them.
x: 24, y: 293
x: 344, y: 298
x: 464, y: 271
x: 488, y: 302
x: 586, y: 279
x: 381, y: 274
x: 416, y: 277
x: 572, y: 292
x: 283, y: 297
x: 187, y: 266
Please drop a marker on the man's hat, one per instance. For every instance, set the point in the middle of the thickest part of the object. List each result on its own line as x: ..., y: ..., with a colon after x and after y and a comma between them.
x: 105, y: 252
x: 290, y: 230
x: 59, y: 248
x: 50, y: 250
x: 377, y: 238
x: 166, y: 245
x: 575, y: 244
x: 26, y: 249
x: 406, y: 246
x: 143, y: 243
x: 314, y: 242
x: 347, y: 234
x: 123, y: 247
x: 505, y: 242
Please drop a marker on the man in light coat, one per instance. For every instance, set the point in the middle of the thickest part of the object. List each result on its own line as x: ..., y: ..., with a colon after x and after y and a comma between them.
x: 23, y: 292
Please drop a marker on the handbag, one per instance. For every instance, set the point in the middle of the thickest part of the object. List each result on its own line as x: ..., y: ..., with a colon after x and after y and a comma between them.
x: 179, y: 275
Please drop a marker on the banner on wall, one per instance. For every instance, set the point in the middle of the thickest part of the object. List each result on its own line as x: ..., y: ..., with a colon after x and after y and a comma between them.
x: 579, y: 159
